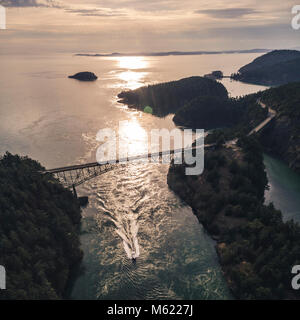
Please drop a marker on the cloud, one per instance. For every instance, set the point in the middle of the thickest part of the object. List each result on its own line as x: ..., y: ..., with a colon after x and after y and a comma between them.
x: 144, y: 5
x: 228, y: 13
x: 29, y: 3
x: 96, y: 12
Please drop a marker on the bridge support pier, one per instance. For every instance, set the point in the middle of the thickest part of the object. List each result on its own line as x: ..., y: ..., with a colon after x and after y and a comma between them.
x: 74, y: 191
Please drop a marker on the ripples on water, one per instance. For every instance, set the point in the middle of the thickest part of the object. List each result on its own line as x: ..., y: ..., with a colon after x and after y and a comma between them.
x: 133, y: 209
x: 55, y: 120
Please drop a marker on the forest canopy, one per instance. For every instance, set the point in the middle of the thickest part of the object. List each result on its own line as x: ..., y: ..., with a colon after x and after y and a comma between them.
x: 39, y: 231
x: 274, y: 68
x: 166, y: 98
x: 256, y: 248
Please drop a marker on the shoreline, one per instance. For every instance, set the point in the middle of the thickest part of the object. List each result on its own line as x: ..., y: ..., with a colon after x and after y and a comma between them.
x: 226, y: 216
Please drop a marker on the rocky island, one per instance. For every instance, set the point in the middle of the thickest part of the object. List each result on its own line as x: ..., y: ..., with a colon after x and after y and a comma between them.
x: 84, y: 76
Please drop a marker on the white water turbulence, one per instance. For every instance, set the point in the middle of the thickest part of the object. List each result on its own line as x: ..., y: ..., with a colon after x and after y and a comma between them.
x: 128, y: 230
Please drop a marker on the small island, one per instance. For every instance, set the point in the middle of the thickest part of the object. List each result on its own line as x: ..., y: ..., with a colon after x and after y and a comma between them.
x: 215, y: 75
x: 84, y: 76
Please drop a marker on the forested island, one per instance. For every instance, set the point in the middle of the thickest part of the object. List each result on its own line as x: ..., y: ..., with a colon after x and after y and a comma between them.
x: 169, y: 97
x: 274, y: 68
x: 39, y: 231
x: 198, y: 102
x: 256, y: 248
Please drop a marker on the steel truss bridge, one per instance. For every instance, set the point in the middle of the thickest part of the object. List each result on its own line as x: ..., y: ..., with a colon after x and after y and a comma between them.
x: 75, y: 175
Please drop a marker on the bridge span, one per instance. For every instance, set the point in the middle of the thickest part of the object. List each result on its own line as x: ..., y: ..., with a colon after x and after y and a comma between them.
x: 75, y: 175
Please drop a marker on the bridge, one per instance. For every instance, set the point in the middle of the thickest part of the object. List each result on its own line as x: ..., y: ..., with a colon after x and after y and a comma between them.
x: 75, y: 175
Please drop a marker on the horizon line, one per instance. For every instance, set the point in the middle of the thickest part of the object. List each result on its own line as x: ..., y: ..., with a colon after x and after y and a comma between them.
x: 170, y: 53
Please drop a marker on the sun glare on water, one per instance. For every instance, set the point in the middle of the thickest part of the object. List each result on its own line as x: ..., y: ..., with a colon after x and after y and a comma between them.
x: 132, y: 63
x: 132, y: 79
x: 133, y: 137
x: 132, y: 73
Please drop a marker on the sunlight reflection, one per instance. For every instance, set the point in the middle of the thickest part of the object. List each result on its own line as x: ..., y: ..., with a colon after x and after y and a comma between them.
x: 132, y: 63
x: 133, y: 138
x: 133, y: 79
x: 131, y: 71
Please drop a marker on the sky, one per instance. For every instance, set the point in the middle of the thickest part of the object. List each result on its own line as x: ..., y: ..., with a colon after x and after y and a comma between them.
x: 105, y: 26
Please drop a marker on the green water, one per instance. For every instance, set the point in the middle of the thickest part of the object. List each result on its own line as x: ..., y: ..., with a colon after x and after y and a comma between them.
x: 284, y: 189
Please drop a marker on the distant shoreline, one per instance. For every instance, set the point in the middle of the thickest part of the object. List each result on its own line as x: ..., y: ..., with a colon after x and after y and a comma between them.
x: 168, y: 53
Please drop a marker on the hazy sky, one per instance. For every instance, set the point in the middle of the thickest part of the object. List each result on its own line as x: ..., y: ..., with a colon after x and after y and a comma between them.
x: 146, y: 25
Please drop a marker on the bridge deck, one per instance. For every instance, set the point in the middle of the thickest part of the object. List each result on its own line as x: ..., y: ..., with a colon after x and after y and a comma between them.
x: 124, y: 160
x: 72, y: 176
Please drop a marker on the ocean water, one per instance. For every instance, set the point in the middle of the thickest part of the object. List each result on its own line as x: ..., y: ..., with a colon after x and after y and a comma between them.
x: 55, y: 120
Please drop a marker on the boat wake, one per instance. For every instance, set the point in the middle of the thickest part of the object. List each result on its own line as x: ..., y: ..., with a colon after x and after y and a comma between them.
x: 128, y: 231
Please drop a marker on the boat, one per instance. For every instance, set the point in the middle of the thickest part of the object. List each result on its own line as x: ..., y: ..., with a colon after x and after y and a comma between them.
x: 133, y: 257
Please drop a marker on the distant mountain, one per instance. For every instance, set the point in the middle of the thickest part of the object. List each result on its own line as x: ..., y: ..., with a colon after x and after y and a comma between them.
x: 168, y: 53
x: 273, y: 68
